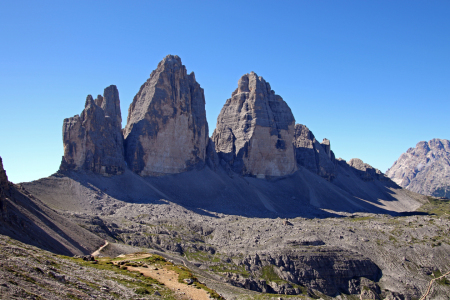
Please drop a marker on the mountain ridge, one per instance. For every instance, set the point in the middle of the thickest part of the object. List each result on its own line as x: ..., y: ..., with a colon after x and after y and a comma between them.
x: 424, y: 169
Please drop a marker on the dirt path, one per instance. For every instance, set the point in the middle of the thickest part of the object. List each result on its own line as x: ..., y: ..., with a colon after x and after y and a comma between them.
x: 97, y: 252
x: 431, y: 283
x: 170, y: 279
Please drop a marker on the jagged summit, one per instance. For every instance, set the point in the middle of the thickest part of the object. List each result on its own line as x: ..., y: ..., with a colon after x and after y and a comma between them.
x: 93, y: 140
x: 255, y: 129
x: 314, y: 156
x: 166, y: 129
x: 424, y: 169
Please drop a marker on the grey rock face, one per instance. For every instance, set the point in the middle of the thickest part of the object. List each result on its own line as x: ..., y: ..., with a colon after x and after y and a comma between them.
x: 424, y: 169
x: 255, y: 129
x: 314, y: 156
x: 166, y: 129
x: 93, y: 140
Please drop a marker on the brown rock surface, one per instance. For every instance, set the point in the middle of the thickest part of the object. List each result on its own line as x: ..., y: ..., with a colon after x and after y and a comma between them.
x: 93, y: 140
x: 255, y: 129
x: 166, y: 129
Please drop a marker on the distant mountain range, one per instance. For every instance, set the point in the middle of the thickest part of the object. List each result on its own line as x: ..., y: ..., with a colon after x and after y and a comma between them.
x: 424, y: 169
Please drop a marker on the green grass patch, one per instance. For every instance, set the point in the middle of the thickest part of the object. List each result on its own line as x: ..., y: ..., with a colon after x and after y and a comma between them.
x: 358, y: 219
x: 436, y: 207
x: 71, y: 296
x: 443, y: 280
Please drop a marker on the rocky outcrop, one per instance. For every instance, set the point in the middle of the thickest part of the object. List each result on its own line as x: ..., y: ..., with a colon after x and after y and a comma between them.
x: 166, y: 129
x: 93, y: 140
x: 255, y: 129
x: 330, y: 270
x: 424, y: 169
x: 364, y: 171
x: 4, y: 183
x: 314, y: 156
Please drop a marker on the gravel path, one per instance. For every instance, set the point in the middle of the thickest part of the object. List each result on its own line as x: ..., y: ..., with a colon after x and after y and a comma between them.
x: 170, y: 280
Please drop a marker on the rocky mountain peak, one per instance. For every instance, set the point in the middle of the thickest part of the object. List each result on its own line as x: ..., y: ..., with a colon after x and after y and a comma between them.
x: 424, y: 169
x: 166, y: 129
x: 93, y: 140
x: 254, y: 130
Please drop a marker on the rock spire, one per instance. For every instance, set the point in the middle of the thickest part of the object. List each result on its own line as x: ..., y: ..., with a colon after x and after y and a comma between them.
x: 166, y: 129
x: 4, y: 184
x: 255, y: 129
x: 93, y: 140
x: 314, y: 156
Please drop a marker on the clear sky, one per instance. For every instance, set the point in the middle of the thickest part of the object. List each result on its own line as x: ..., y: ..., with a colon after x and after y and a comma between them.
x: 371, y: 76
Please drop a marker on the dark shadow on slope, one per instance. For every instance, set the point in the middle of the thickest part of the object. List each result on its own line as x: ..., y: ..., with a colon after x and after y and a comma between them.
x: 18, y: 222
x: 206, y: 191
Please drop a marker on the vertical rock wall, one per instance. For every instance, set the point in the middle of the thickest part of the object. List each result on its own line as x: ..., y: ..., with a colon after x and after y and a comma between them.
x: 93, y: 141
x: 314, y: 156
x: 166, y: 129
x: 255, y: 129
x: 4, y: 184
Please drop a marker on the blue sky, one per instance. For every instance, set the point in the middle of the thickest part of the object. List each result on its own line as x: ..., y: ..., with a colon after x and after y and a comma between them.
x: 371, y: 76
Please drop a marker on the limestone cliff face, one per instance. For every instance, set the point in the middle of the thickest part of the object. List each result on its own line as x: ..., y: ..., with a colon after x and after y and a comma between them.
x: 314, y: 156
x: 255, y: 129
x: 424, y: 169
x: 93, y: 140
x: 166, y: 129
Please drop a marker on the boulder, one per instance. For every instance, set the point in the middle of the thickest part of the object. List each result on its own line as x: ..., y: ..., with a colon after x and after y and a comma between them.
x: 255, y: 129
x: 314, y: 156
x: 424, y: 169
x: 167, y: 131
x: 93, y: 140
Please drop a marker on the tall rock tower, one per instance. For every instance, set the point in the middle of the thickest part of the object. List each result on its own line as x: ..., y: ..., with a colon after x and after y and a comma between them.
x: 314, y: 156
x: 93, y: 140
x: 166, y: 129
x: 255, y: 129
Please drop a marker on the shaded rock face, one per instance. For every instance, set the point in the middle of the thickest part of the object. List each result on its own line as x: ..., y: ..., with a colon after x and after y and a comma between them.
x: 365, y: 171
x: 166, y: 129
x: 424, y: 169
x: 93, y: 140
x: 314, y: 156
x: 4, y: 183
x: 255, y: 129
